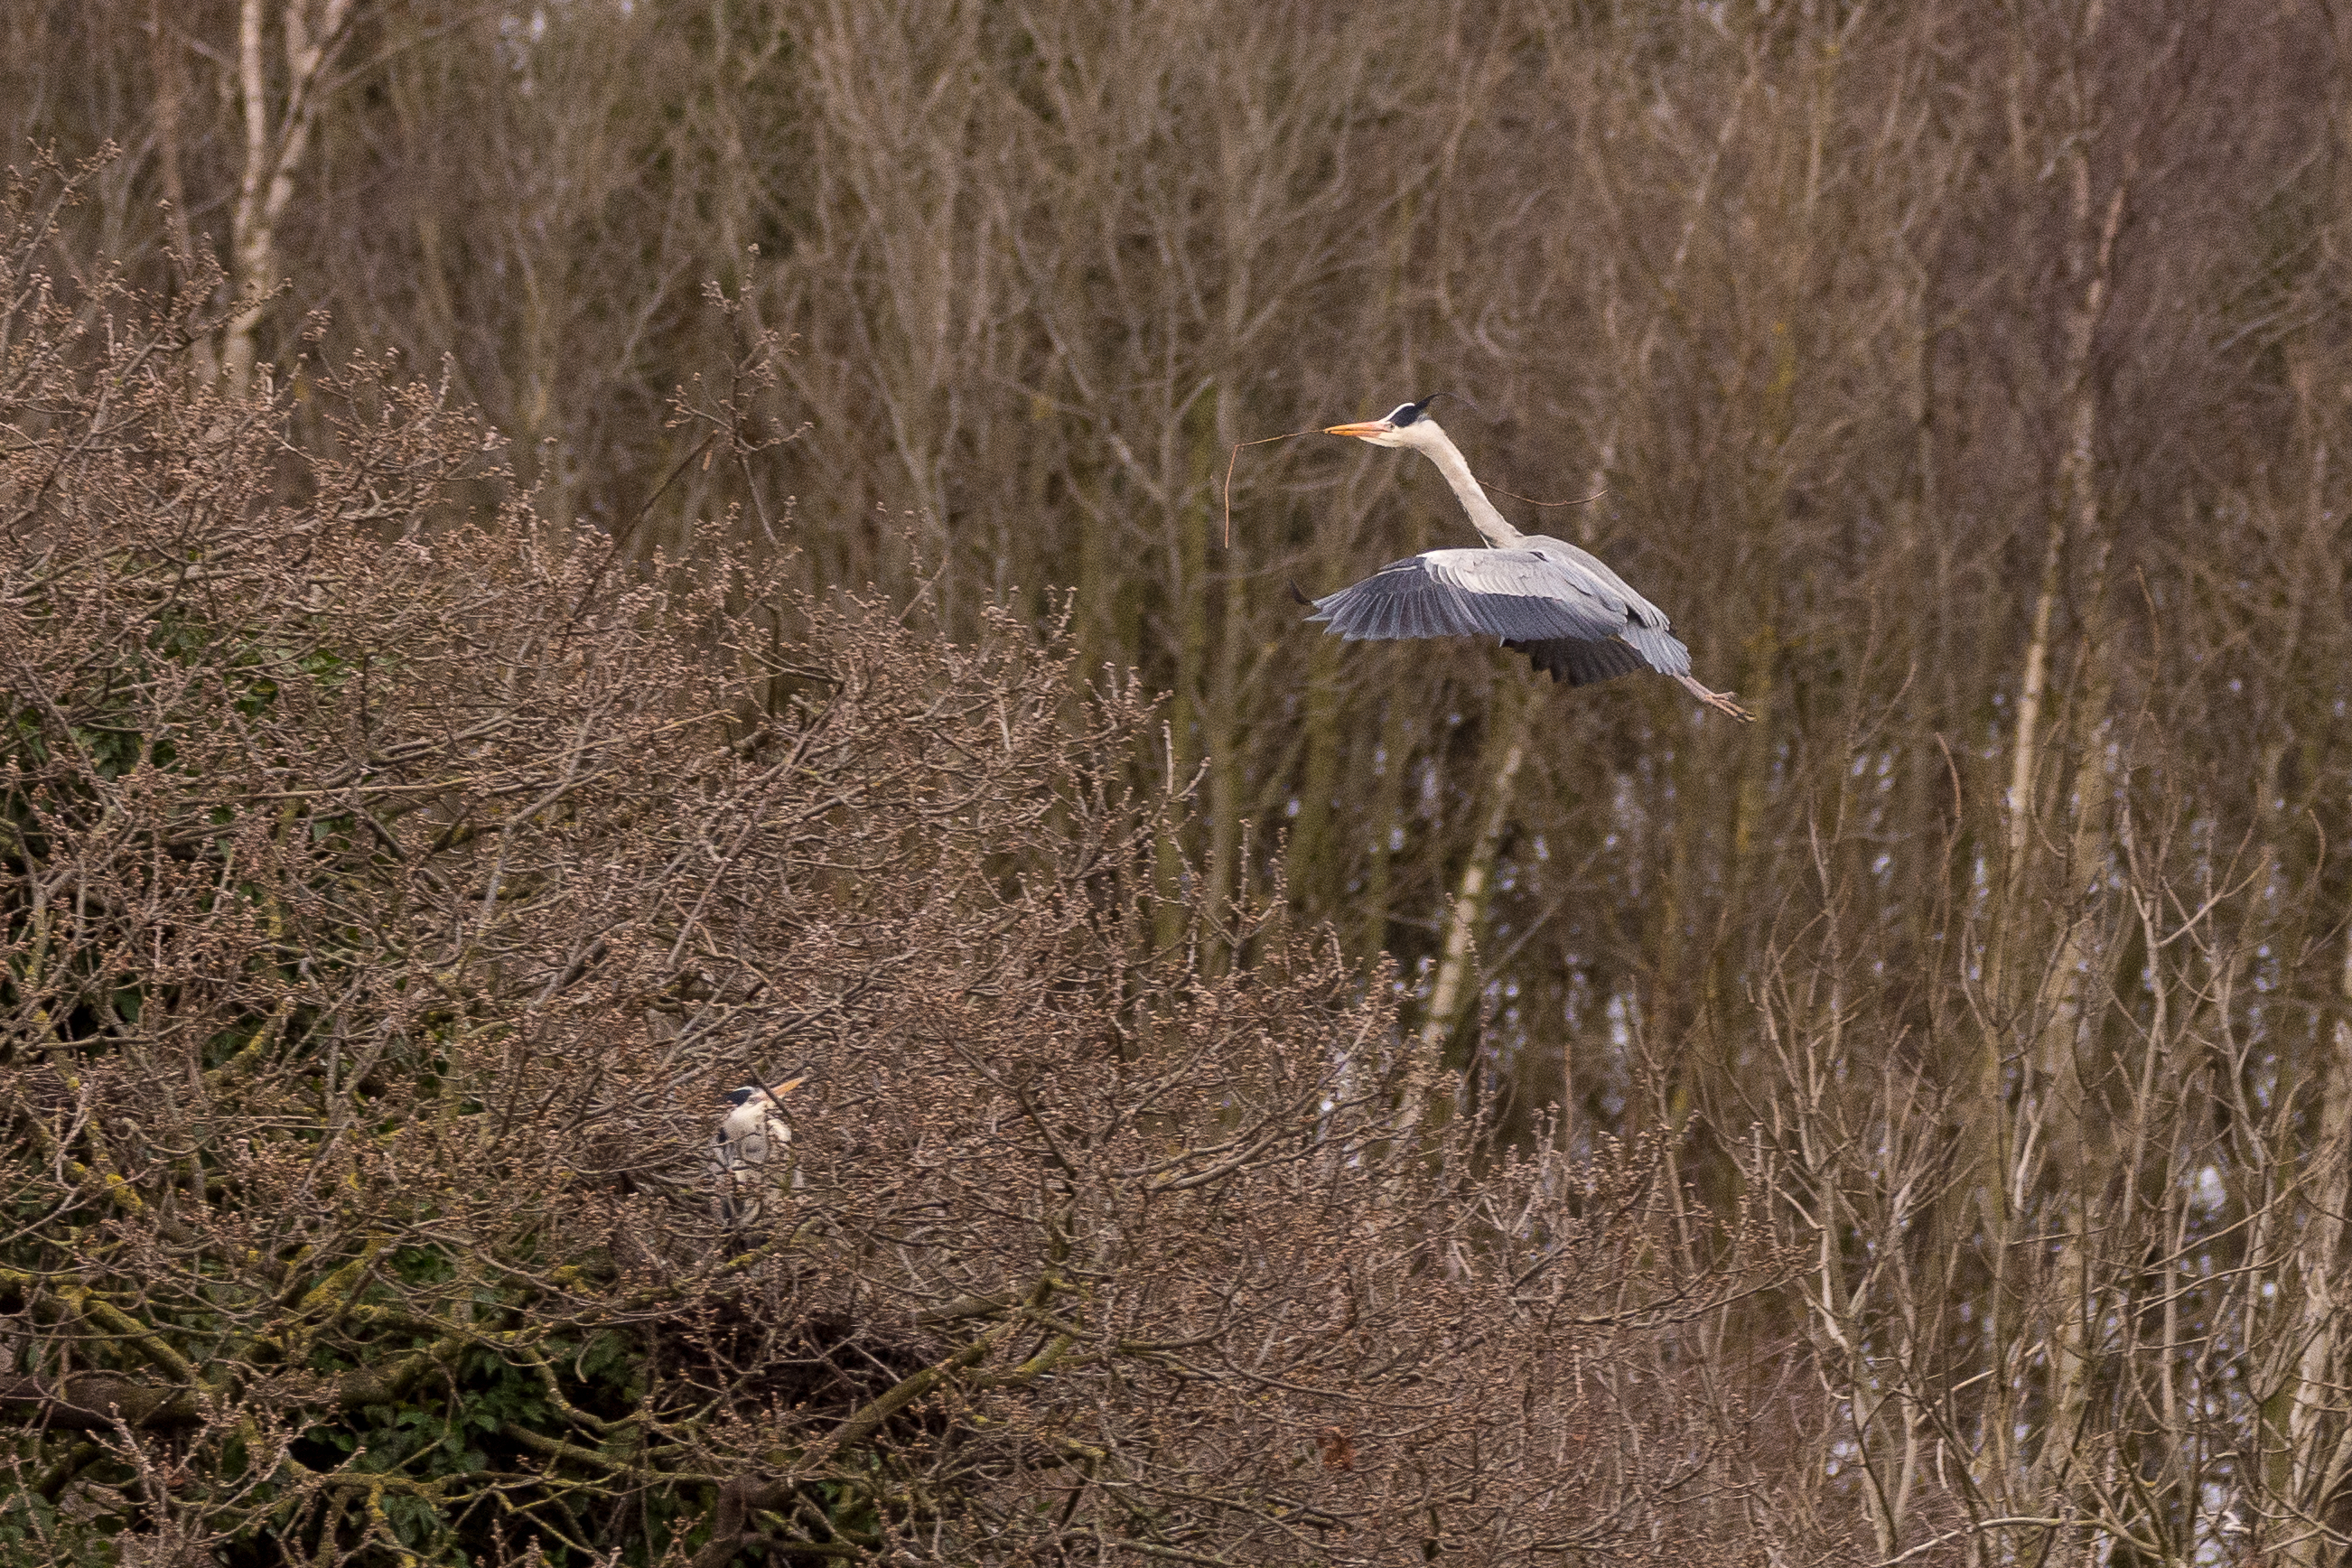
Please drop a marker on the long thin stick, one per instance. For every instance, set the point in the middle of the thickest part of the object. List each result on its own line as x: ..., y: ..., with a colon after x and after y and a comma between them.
x: 1235, y: 456
x: 1514, y: 495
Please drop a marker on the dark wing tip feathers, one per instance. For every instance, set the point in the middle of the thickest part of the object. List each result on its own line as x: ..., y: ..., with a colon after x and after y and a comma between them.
x: 1578, y: 662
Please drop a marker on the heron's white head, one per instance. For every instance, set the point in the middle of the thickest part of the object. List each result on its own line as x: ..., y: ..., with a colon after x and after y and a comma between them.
x: 771, y: 1094
x: 1407, y: 425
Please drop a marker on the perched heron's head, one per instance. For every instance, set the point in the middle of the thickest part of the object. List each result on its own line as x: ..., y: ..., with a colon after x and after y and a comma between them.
x: 1407, y: 425
x: 745, y: 1095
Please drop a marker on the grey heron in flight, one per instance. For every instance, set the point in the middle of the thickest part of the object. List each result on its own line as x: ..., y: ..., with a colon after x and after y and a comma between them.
x: 751, y: 1135
x: 1560, y: 605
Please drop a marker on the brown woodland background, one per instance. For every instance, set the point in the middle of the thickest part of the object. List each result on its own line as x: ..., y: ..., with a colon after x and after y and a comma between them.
x: 1966, y: 1042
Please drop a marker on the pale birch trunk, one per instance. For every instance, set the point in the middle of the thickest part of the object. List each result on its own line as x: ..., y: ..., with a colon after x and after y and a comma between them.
x: 1450, y: 991
x: 1456, y: 980
x: 2063, y: 1010
x: 275, y: 144
x: 2047, y: 944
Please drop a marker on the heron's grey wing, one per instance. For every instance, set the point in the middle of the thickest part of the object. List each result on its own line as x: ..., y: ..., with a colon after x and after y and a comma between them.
x: 1576, y: 558
x: 1515, y: 595
x: 1660, y: 648
x: 1647, y: 626
x: 1581, y: 663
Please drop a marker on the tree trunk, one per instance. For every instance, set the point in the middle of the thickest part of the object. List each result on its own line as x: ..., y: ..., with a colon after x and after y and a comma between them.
x: 274, y: 149
x: 1456, y: 981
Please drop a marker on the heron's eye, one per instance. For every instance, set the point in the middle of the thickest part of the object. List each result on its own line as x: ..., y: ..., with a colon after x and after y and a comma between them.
x: 1405, y: 414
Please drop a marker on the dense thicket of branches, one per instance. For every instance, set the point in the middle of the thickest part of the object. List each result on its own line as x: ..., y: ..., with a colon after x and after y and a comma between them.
x: 391, y: 893
x: 1967, y: 382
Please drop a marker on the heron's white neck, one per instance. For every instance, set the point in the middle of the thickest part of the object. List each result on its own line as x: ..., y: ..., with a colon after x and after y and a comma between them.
x: 1491, y: 524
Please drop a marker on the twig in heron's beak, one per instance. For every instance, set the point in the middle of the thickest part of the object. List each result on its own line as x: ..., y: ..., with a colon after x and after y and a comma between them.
x: 1236, y: 457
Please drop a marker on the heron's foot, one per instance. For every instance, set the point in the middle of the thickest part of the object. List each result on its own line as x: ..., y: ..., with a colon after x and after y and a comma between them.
x: 1721, y: 701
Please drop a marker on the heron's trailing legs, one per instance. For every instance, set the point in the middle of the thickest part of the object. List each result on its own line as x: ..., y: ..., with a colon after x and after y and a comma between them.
x: 1721, y: 701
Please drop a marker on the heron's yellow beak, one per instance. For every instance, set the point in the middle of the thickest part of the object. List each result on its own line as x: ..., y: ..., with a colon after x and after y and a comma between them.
x: 1364, y: 430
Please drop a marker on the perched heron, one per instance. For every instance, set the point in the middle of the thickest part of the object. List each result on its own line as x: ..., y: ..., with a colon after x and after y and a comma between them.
x: 1560, y: 605
x: 753, y: 1135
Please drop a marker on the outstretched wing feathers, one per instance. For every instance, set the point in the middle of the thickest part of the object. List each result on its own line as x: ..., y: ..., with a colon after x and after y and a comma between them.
x: 1515, y: 595
x: 1569, y: 613
x: 1574, y: 558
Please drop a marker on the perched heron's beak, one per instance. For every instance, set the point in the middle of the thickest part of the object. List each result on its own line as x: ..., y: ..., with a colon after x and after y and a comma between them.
x: 1363, y: 431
